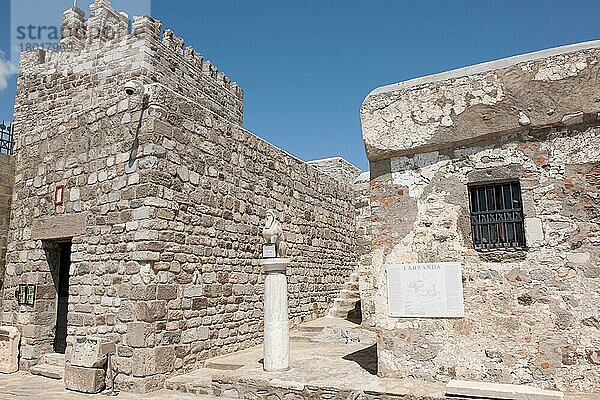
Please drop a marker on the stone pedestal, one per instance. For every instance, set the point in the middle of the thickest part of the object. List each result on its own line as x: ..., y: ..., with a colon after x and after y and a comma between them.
x: 84, y: 380
x: 276, y: 331
x: 9, y: 349
x: 84, y: 367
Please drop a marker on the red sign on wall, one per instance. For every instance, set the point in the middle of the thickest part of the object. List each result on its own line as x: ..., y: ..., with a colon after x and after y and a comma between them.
x: 59, y: 195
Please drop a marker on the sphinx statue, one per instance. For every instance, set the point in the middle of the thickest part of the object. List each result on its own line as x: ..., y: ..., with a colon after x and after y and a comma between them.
x: 273, y: 233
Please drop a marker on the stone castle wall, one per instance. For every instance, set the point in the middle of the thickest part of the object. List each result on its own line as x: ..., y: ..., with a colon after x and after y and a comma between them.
x: 6, y: 189
x: 165, y: 201
x: 531, y: 315
x: 343, y: 171
x: 214, y: 182
x: 338, y: 168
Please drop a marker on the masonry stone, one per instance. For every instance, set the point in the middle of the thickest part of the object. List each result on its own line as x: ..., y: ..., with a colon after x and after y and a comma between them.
x: 85, y: 380
x: 164, y: 197
x: 9, y: 349
x: 6, y: 189
x: 86, y: 353
x: 529, y: 310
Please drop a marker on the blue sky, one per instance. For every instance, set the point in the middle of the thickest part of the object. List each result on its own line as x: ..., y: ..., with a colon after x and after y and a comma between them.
x: 306, y: 66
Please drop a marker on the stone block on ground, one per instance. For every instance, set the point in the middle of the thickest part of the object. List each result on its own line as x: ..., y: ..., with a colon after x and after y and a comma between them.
x: 85, y: 380
x: 86, y: 352
x: 9, y: 349
x: 48, y: 371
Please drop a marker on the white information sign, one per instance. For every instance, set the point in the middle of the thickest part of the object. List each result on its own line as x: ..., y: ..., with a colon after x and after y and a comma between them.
x: 425, y: 290
x: 269, y: 250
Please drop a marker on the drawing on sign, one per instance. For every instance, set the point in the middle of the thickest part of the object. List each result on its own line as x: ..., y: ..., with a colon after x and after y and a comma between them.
x: 419, y: 289
x: 425, y: 290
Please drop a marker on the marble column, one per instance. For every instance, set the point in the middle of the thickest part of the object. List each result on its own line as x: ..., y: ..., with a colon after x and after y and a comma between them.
x: 276, y: 345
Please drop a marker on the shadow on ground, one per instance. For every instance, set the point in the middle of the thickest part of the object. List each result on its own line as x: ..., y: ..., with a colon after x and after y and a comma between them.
x: 366, y: 358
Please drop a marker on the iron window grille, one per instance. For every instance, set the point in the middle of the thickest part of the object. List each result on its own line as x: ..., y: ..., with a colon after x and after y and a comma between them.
x: 6, y: 139
x: 497, y: 216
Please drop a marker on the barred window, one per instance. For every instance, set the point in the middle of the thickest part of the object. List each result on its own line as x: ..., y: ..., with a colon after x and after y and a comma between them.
x: 6, y: 138
x: 497, y: 216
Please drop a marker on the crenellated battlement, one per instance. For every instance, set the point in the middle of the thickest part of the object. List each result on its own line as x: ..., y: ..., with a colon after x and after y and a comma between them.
x: 159, y: 55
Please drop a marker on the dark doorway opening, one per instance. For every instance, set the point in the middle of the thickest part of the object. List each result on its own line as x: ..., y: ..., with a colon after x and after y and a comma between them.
x: 62, y: 293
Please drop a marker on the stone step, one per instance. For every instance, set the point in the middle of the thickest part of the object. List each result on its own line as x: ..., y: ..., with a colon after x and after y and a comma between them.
x: 297, y: 338
x: 349, y: 294
x: 338, y: 335
x: 222, y: 366
x: 345, y: 304
x: 194, y: 383
x: 244, y: 384
x: 55, y: 359
x: 343, y: 307
x: 48, y: 371
x: 487, y: 390
x: 308, y: 328
x: 338, y: 313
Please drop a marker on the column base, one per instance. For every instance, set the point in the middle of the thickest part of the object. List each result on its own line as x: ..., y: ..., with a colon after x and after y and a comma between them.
x: 277, y: 369
x: 274, y: 264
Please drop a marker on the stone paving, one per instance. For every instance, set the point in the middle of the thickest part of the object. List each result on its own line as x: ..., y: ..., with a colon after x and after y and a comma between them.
x: 330, y: 359
x: 24, y: 386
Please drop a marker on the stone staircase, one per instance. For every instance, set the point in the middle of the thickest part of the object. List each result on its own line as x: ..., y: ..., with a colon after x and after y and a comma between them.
x: 331, y: 330
x: 52, y: 365
x: 347, y: 304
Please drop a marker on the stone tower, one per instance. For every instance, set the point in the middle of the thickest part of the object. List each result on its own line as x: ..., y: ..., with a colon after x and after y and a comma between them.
x: 136, y: 212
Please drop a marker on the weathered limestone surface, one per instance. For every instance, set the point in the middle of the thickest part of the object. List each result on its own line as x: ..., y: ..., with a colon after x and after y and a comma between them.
x: 85, y: 380
x: 86, y: 352
x: 556, y: 87
x: 531, y: 315
x: 487, y: 390
x: 170, y: 191
x: 7, y: 175
x: 59, y: 226
x: 9, y: 349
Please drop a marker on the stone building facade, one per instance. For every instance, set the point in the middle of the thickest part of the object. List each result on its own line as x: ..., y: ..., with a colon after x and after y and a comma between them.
x: 137, y: 213
x: 532, y: 306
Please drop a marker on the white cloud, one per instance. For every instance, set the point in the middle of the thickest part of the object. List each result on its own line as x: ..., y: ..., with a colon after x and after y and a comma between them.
x: 6, y: 69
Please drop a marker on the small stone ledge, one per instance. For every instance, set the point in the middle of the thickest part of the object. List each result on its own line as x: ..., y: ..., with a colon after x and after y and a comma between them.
x: 486, y: 390
x: 558, y: 91
x: 488, y: 66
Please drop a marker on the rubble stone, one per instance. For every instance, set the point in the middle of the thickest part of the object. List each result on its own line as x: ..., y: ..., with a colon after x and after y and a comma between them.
x: 525, y: 306
x: 165, y: 193
x: 9, y: 349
